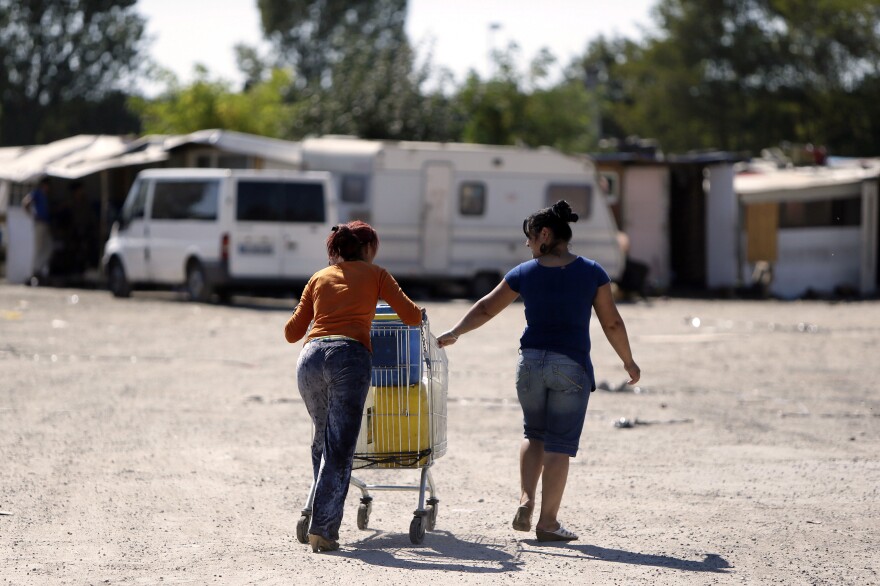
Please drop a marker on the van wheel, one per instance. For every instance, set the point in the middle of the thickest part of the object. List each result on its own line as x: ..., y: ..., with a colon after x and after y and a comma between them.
x: 483, y: 284
x: 117, y: 282
x: 197, y: 288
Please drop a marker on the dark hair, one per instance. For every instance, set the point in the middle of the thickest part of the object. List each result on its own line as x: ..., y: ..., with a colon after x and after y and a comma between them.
x: 556, y: 218
x: 348, y: 241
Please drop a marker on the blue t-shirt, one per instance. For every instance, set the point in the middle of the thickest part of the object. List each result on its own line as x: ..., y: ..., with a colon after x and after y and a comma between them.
x: 558, y: 305
x: 40, y: 203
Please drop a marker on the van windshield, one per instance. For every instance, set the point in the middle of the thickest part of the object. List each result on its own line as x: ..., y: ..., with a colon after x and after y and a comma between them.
x: 280, y: 201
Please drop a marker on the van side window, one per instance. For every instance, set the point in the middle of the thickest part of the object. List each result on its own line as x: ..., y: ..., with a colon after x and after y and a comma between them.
x: 185, y: 200
x: 578, y: 196
x: 472, y: 199
x: 354, y: 189
x: 134, y: 208
x: 277, y: 201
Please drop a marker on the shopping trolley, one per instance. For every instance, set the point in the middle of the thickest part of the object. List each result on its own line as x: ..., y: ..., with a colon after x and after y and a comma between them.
x: 404, y: 419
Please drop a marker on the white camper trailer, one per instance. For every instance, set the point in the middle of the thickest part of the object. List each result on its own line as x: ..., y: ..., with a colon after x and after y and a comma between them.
x: 453, y: 211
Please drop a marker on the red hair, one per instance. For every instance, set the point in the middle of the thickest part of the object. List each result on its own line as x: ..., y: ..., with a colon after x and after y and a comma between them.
x: 348, y: 241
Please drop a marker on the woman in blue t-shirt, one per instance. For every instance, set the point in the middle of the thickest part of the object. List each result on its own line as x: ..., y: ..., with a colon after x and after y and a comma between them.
x: 554, y: 375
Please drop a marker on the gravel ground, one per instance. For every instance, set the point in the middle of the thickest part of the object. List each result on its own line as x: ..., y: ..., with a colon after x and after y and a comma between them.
x: 153, y: 441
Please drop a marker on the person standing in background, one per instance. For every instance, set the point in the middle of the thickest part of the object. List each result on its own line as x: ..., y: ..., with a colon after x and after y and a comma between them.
x: 36, y: 203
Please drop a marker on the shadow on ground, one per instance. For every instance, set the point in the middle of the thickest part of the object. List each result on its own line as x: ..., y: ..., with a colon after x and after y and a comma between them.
x: 711, y: 563
x: 441, y: 550
x: 472, y: 554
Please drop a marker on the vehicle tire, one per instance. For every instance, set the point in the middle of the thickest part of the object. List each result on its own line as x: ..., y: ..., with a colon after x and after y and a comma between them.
x: 417, y: 530
x: 483, y: 283
x: 302, y: 528
x: 117, y: 281
x: 197, y: 288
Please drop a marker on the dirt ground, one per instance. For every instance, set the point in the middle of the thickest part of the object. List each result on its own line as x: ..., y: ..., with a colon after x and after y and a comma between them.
x: 153, y: 441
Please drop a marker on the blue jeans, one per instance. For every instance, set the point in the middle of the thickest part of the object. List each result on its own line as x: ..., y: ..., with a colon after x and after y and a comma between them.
x: 334, y: 379
x: 553, y: 391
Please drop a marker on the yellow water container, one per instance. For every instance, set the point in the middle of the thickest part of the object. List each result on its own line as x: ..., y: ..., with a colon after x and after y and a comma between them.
x: 396, y: 427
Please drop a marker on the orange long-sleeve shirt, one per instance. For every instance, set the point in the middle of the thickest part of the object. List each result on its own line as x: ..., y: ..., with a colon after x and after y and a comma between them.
x: 341, y: 301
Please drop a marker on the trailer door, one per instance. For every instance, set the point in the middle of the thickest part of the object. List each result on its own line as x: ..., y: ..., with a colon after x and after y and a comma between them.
x: 436, y: 236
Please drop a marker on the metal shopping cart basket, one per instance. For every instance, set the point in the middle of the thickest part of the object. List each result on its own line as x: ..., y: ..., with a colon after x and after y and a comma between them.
x: 404, y: 418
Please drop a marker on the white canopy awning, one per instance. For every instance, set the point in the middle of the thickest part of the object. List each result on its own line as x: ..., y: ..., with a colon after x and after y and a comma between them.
x: 274, y: 149
x: 30, y: 163
x: 804, y: 183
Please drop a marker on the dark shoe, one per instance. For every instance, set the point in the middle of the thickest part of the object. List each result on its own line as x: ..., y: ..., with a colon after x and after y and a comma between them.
x: 522, y: 521
x: 321, y: 543
x: 560, y: 534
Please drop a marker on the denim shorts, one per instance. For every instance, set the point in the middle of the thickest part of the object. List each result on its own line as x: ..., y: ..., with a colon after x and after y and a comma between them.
x: 554, y: 391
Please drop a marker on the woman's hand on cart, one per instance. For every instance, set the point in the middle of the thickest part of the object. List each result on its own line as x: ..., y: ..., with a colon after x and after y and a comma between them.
x: 447, y: 338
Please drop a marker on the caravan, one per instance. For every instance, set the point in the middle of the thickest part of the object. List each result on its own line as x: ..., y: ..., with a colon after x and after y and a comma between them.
x: 220, y: 230
x: 452, y: 212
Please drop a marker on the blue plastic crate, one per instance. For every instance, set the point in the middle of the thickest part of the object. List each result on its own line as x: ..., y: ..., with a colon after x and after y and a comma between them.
x: 396, y: 350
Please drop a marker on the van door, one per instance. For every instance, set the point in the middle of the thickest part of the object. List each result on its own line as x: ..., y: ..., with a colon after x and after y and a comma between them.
x: 436, y: 229
x: 305, y: 229
x: 133, y: 232
x: 183, y: 225
x: 255, y: 245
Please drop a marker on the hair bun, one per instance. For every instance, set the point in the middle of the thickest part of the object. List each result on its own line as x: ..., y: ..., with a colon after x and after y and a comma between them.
x: 563, y: 211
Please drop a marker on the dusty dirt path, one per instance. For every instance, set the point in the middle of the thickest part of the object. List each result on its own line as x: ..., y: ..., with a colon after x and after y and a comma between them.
x: 151, y: 441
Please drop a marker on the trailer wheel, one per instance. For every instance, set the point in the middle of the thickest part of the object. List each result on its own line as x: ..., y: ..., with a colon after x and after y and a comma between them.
x: 197, y: 288
x: 432, y: 507
x: 417, y: 530
x: 302, y: 529
x: 483, y: 283
x: 117, y: 281
x: 363, y: 518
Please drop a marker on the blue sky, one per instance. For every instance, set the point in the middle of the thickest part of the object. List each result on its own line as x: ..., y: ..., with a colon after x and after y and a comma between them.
x: 458, y: 32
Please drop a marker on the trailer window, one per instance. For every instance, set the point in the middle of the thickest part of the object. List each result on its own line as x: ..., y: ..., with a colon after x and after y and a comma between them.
x: 277, y: 201
x: 185, y: 200
x: 579, y: 197
x: 472, y: 199
x: 354, y: 189
x: 823, y: 213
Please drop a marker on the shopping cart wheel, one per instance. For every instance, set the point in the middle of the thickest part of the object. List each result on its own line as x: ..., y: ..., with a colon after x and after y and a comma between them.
x: 432, y: 513
x: 417, y: 530
x: 363, y: 516
x: 302, y: 528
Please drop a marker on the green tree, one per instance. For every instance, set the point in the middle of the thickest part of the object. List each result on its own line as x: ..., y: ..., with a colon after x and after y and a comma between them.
x: 744, y: 74
x: 313, y: 36
x: 516, y: 107
x: 207, y: 103
x: 60, y: 60
x: 377, y: 96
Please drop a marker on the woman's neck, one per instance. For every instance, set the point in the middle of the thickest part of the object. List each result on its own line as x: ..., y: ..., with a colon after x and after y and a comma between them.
x: 556, y: 258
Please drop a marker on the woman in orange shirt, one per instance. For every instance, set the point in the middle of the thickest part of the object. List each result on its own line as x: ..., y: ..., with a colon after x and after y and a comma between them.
x: 334, y: 367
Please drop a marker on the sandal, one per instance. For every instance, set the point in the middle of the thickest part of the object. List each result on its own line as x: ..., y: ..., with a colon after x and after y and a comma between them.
x: 522, y: 521
x: 321, y: 543
x: 560, y: 534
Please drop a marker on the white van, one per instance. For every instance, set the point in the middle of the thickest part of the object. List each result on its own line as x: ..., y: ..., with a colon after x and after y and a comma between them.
x: 220, y: 230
